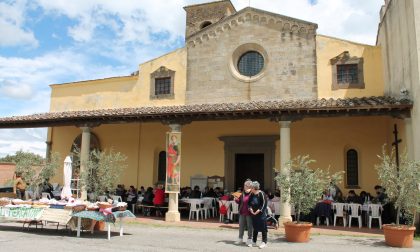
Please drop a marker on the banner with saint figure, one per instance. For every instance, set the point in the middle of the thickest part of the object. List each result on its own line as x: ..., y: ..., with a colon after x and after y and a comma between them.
x: 173, y: 162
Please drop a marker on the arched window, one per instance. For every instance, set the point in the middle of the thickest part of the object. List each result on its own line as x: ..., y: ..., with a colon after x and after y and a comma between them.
x: 162, y: 166
x: 205, y: 24
x: 352, y: 166
x: 75, y: 148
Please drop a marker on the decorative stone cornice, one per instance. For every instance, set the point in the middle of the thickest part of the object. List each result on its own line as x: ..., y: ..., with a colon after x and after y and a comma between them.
x: 272, y: 20
x: 162, y: 72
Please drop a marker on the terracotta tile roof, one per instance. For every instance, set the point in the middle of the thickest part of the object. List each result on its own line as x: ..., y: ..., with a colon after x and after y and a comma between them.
x: 220, y: 111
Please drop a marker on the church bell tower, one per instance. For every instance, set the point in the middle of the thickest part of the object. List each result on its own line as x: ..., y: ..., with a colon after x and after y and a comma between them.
x: 199, y: 16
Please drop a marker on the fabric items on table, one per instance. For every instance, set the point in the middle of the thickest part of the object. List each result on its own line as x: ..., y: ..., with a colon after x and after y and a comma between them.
x: 95, y: 215
x: 98, y: 216
x: 21, y: 213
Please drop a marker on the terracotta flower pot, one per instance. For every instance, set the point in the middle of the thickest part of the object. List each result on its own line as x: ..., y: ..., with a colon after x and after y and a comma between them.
x: 297, y: 232
x: 100, y: 226
x: 399, y: 236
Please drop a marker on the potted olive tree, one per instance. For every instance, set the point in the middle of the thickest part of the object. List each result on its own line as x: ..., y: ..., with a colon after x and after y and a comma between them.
x: 306, y: 186
x: 102, y: 171
x: 402, y: 184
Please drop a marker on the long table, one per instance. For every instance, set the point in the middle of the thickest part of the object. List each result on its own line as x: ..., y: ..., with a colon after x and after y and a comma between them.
x: 108, y: 219
x: 35, y: 214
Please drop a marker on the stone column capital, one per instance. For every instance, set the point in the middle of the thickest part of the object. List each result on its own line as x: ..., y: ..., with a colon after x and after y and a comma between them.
x: 86, y: 129
x: 88, y: 126
x: 180, y: 122
x: 286, y: 118
x: 175, y: 127
x: 285, y: 124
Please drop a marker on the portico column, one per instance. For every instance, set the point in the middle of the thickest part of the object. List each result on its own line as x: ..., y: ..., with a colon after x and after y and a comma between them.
x: 409, y: 138
x: 285, y: 156
x: 84, y: 156
x: 173, y: 214
x: 48, y: 150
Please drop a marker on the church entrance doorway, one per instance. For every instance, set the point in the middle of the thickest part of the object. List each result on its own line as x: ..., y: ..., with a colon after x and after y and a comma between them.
x: 249, y: 166
x: 249, y: 157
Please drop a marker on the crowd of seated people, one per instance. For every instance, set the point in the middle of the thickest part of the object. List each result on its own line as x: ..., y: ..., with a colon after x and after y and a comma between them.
x: 388, y: 213
x: 156, y: 197
x: 187, y: 192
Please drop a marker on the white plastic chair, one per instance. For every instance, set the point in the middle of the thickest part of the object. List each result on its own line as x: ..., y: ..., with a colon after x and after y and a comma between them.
x: 276, y: 208
x: 292, y: 211
x: 195, y: 209
x: 29, y: 195
x: 234, y: 210
x: 326, y: 220
x: 224, y: 203
x: 355, y: 210
x: 375, y: 213
x: 117, y: 199
x: 338, y: 209
x: 102, y: 198
x: 46, y: 196
x: 209, y: 207
x: 54, y: 185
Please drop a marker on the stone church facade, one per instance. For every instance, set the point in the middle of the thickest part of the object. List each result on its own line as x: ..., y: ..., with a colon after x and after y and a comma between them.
x: 249, y: 91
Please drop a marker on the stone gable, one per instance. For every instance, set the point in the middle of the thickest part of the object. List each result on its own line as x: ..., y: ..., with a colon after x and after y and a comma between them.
x: 288, y: 46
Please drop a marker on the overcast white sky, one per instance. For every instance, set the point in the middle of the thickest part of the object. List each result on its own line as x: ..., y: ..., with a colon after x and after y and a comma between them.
x: 44, y: 42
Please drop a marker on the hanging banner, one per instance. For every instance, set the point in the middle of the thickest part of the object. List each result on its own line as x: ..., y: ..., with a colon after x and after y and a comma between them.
x: 173, y: 162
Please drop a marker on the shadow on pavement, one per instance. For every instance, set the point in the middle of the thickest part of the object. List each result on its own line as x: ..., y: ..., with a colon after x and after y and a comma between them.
x: 230, y: 242
x: 60, y: 232
x: 367, y: 242
x: 227, y: 226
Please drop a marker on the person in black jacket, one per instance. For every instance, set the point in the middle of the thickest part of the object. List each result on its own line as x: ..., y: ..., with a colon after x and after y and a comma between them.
x: 196, y: 193
x: 257, y: 205
x: 148, y: 197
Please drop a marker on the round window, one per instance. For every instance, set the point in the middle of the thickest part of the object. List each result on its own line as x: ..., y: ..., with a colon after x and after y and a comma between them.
x: 250, y: 63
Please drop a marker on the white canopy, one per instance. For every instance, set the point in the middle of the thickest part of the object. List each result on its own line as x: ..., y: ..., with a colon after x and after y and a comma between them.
x: 66, y: 192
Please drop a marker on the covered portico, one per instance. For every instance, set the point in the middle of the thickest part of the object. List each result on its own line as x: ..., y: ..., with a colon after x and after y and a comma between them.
x: 280, y: 115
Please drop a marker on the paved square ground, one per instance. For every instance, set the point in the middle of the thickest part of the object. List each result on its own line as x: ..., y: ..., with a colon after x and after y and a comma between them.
x: 147, y: 237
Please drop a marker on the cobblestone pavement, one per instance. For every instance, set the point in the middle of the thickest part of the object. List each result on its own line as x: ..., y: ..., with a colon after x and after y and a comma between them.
x: 140, y: 237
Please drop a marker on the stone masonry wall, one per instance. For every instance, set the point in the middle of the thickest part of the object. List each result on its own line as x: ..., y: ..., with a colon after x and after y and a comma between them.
x: 290, y: 65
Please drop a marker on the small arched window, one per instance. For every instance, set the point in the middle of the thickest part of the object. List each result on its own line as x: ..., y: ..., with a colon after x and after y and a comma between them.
x: 205, y: 24
x: 162, y: 166
x: 352, y: 167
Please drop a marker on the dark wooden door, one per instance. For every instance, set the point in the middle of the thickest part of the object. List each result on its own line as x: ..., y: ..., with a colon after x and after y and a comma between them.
x: 249, y: 166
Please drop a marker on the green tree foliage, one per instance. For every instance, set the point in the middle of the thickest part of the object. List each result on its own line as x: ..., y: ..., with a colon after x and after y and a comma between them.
x: 22, y: 155
x: 34, y: 169
x: 102, y: 171
x: 403, y: 186
x: 305, y: 185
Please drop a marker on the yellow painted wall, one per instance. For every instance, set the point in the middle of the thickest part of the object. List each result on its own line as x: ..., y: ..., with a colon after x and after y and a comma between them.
x: 134, y: 91
x: 328, y: 48
x: 325, y: 140
x: 122, y: 138
x: 121, y: 92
